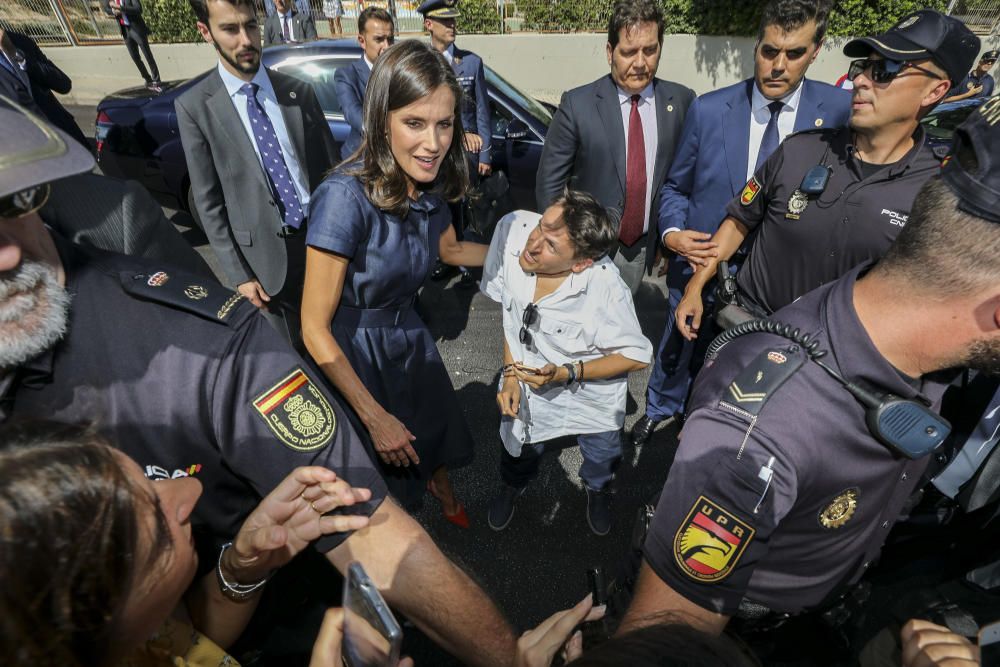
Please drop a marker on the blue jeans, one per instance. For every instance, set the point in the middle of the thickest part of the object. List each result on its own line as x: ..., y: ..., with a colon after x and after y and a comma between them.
x: 601, y: 454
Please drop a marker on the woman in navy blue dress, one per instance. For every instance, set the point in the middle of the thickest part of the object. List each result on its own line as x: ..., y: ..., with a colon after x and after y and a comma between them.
x: 376, y: 226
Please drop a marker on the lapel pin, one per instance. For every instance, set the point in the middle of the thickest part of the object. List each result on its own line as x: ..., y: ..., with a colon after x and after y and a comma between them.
x: 819, y: 122
x: 292, y: 94
x: 670, y: 107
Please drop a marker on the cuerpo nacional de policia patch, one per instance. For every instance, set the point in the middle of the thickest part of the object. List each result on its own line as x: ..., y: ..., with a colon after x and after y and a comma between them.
x: 750, y: 191
x: 297, y: 412
x: 710, y: 541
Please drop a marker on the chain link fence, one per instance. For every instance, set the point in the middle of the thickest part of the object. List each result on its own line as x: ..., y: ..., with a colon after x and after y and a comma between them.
x: 982, y: 16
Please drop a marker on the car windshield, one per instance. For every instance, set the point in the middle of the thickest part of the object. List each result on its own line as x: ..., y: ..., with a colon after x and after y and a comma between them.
x: 319, y: 72
x: 942, y: 123
x: 530, y: 104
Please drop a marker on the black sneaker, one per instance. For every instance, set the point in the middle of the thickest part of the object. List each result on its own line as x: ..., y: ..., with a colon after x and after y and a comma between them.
x: 502, y: 507
x: 599, y: 510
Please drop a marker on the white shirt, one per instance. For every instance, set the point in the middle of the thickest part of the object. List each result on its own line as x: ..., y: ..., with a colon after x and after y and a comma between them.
x: 291, y: 26
x: 650, y: 136
x: 589, y: 316
x: 269, y: 101
x: 370, y: 64
x: 449, y: 54
x: 759, y: 117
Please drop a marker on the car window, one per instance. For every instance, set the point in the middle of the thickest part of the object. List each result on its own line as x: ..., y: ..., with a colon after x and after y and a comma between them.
x: 499, y: 119
x: 319, y: 72
x: 525, y: 101
x: 943, y: 122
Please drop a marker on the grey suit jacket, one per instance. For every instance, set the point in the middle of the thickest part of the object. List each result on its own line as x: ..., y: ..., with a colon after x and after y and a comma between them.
x: 585, y: 147
x: 118, y: 216
x: 303, y: 28
x: 228, y: 184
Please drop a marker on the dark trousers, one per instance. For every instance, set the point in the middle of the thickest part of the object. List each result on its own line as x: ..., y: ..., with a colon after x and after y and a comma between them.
x: 677, y: 362
x: 601, y: 454
x: 284, y: 309
x: 137, y: 37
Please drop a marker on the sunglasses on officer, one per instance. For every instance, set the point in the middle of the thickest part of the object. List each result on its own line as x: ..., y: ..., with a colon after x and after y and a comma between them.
x: 884, y: 71
x: 24, y: 202
x: 529, y: 317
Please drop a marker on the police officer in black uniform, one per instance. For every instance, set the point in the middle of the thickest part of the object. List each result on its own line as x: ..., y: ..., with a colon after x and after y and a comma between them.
x: 187, y: 378
x: 979, y: 82
x: 801, y: 452
x: 829, y: 199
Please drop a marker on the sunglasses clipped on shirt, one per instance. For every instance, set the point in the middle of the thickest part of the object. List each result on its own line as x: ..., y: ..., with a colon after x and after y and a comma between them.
x: 24, y: 202
x: 884, y: 71
x: 529, y: 317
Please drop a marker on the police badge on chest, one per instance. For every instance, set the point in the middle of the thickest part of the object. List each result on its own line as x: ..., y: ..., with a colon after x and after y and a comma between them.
x: 796, y: 204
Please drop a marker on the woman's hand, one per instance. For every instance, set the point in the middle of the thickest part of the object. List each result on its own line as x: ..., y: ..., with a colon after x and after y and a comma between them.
x: 326, y: 650
x: 509, y: 397
x: 538, y: 377
x: 537, y: 647
x: 928, y: 645
x: 288, y: 519
x: 392, y: 440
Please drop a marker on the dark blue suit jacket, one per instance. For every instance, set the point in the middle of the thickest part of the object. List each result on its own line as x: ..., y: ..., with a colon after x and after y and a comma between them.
x: 710, y: 165
x: 476, y: 104
x: 350, y: 83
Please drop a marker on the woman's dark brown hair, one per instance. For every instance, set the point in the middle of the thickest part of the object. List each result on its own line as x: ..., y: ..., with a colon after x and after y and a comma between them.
x: 405, y: 73
x: 69, y: 546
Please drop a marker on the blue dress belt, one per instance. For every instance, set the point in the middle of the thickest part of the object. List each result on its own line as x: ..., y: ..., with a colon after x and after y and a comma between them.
x: 372, y: 318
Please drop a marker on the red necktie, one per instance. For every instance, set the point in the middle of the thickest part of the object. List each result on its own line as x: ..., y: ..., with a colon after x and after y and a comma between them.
x: 635, y: 180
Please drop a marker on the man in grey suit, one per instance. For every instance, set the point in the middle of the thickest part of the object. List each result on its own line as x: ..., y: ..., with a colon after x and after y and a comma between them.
x: 256, y: 144
x: 288, y: 25
x: 615, y: 138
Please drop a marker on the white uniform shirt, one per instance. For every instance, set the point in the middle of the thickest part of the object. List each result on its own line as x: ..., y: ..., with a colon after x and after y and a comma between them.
x: 587, y: 317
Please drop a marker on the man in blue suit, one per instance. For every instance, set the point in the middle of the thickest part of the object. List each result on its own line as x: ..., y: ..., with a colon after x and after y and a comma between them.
x: 375, y: 35
x: 727, y: 134
x: 439, y: 21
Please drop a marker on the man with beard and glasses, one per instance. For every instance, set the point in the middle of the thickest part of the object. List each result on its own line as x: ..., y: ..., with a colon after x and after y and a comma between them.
x: 256, y: 144
x: 784, y: 487
x: 828, y: 199
x: 190, y: 380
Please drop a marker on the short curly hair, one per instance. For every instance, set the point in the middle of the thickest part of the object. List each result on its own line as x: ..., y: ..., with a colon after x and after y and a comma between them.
x: 587, y: 223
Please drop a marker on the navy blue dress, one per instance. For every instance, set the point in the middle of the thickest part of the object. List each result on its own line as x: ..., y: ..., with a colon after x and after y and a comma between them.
x: 381, y: 334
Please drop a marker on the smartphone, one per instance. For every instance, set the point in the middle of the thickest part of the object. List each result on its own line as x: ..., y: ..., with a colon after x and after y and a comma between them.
x: 989, y: 645
x: 372, y: 637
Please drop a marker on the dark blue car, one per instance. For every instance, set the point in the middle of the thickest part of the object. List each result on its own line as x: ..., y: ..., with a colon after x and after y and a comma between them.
x: 137, y: 135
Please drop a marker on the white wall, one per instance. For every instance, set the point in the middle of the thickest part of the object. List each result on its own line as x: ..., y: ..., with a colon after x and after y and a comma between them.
x: 543, y: 65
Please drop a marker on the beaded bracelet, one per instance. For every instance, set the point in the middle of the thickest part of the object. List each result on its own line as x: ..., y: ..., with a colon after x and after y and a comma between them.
x: 235, y: 592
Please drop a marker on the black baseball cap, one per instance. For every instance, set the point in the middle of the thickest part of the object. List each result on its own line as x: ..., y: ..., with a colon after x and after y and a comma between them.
x: 32, y: 152
x: 972, y: 170
x: 920, y: 35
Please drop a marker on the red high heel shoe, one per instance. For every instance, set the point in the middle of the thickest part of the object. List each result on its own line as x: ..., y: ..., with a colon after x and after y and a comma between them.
x: 459, y: 518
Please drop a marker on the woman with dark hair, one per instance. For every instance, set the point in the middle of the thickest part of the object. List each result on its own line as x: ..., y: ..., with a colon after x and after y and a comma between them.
x: 94, y: 557
x: 376, y: 227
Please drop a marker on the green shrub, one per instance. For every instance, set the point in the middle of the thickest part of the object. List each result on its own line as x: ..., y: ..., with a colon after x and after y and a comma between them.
x: 170, y: 21
x: 478, y: 17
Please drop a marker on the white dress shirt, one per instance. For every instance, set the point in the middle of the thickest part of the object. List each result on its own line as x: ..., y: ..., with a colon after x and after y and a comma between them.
x: 759, y: 117
x: 269, y: 101
x: 650, y: 136
x: 589, y: 316
x: 449, y: 54
x: 291, y: 26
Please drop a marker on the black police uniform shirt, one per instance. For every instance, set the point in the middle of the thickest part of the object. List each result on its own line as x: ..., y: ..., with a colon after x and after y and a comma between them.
x: 804, y: 241
x: 973, y: 80
x: 788, y: 508
x: 185, y: 377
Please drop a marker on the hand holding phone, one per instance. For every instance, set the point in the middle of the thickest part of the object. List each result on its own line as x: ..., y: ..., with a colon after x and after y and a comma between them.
x: 372, y: 637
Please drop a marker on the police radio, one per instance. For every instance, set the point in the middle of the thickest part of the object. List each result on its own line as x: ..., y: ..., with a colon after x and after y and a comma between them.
x: 907, y: 427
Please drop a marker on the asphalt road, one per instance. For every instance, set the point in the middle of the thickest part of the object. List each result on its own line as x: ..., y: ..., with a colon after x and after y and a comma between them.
x: 538, y: 564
